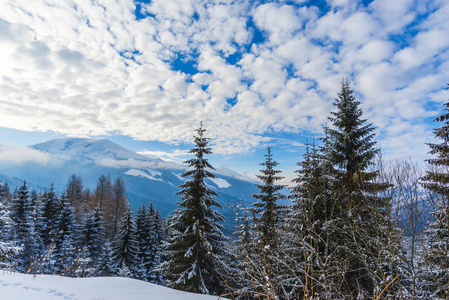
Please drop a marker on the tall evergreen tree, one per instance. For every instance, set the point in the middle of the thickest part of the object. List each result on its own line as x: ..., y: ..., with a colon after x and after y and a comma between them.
x: 144, y: 236
x: 125, y: 245
x: 93, y: 237
x: 195, y: 233
x: 358, y: 214
x: 7, y: 248
x: 158, y: 238
x: 436, y: 251
x: 22, y: 214
x: 269, y: 214
x: 105, y: 266
x: 47, y: 216
x: 5, y: 194
x: 268, y: 210
x: 306, y: 236
x: 21, y: 210
x: 65, y: 240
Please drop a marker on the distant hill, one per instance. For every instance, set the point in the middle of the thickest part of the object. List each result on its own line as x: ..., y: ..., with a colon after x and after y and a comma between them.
x: 147, y: 179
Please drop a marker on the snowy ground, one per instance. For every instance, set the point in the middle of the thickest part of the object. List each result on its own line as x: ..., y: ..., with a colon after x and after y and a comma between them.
x: 14, y: 286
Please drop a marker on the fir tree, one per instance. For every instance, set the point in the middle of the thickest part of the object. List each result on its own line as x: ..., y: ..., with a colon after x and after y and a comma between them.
x: 7, y: 248
x: 306, y: 236
x: 268, y: 210
x: 64, y: 251
x: 269, y: 214
x: 47, y: 214
x: 24, y: 228
x: 436, y: 252
x: 145, y: 240
x: 21, y: 210
x: 157, y: 228
x: 93, y: 237
x: 5, y: 195
x: 125, y: 245
x: 359, y: 215
x: 105, y: 262
x: 244, y: 247
x: 195, y: 235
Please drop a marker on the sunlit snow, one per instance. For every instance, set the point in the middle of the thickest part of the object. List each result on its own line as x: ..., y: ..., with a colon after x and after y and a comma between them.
x: 135, y: 172
x: 221, y: 183
x: 15, y: 286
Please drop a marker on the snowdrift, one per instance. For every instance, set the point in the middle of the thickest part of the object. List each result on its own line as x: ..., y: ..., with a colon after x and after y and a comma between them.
x: 15, y: 286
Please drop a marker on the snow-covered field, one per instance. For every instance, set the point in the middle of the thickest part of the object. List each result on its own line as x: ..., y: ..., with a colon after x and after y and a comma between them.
x: 15, y: 286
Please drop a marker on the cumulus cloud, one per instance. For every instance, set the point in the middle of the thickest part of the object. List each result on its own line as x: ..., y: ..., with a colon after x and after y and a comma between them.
x: 87, y: 68
x: 174, y: 156
x: 23, y: 155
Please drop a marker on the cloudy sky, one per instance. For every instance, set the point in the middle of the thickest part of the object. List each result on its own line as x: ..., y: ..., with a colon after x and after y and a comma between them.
x: 257, y: 73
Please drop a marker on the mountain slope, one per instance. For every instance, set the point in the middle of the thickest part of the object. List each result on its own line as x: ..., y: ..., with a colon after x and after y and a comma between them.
x: 147, y: 179
x: 89, y: 150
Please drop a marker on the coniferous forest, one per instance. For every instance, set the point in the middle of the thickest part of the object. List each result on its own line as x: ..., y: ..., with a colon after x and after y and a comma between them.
x: 351, y: 225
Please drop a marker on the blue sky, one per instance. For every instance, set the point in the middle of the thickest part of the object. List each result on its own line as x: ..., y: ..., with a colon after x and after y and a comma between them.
x: 257, y: 73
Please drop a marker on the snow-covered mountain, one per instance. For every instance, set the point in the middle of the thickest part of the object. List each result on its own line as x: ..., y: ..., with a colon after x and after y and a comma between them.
x: 147, y: 179
x: 89, y: 150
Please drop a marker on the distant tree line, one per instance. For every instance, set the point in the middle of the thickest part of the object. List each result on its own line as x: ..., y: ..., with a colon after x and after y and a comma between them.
x: 80, y: 233
x: 353, y: 226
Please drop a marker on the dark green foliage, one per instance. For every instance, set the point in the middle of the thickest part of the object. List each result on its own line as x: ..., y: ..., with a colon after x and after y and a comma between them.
x: 21, y: 211
x: 65, y: 240
x: 436, y: 252
x: 358, y: 215
x: 105, y: 263
x: 268, y: 210
x: 93, y: 236
x: 47, y: 216
x: 125, y: 244
x: 307, y: 237
x: 188, y: 264
x: 7, y: 248
x: 23, y: 231
x: 144, y: 236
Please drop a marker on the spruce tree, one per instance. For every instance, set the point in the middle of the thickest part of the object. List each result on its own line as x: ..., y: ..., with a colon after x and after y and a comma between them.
x: 359, y: 214
x: 47, y: 213
x: 305, y: 235
x: 23, y: 231
x: 158, y: 237
x: 93, y: 238
x: 269, y: 214
x: 195, y: 235
x: 65, y: 240
x: 105, y: 265
x: 436, y: 251
x: 268, y: 210
x: 144, y: 236
x: 125, y: 245
x: 7, y: 248
x: 244, y: 246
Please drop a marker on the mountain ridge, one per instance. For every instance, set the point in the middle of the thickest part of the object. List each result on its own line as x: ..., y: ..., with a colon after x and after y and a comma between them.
x: 146, y: 179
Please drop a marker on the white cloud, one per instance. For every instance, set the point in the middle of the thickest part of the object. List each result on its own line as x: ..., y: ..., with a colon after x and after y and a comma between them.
x: 174, y: 156
x: 87, y: 68
x: 279, y: 21
x: 23, y: 155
